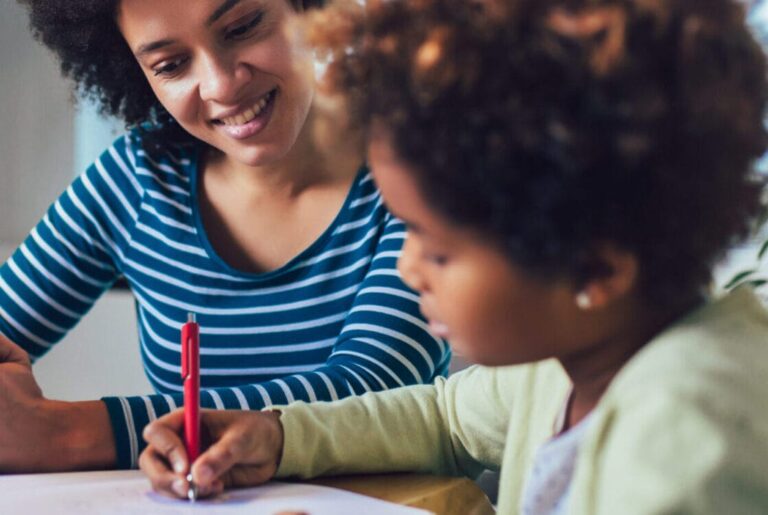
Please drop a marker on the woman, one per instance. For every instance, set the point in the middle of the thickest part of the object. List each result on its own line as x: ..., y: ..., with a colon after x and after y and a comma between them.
x: 218, y: 202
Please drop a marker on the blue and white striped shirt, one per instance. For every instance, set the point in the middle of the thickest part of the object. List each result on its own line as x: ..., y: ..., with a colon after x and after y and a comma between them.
x: 335, y: 321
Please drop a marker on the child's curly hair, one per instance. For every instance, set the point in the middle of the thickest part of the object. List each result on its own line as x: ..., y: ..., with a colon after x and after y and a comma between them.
x: 555, y: 125
x: 84, y: 36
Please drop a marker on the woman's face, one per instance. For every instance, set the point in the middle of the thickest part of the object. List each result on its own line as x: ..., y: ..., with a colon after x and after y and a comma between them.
x: 226, y: 70
x: 490, y: 311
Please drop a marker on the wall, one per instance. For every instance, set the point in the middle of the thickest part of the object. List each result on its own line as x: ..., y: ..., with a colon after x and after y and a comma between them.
x: 36, y: 137
x: 101, y: 355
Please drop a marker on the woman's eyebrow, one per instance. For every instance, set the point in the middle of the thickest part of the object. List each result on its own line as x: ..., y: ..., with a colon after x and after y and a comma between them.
x: 218, y: 13
x: 151, y: 47
x: 221, y: 11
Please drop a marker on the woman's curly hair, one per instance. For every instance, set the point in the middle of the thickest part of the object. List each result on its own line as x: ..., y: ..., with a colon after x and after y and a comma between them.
x: 84, y: 36
x: 553, y: 126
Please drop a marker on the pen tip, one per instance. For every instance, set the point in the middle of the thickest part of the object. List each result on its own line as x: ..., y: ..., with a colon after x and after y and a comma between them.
x: 191, y: 317
x: 192, y: 490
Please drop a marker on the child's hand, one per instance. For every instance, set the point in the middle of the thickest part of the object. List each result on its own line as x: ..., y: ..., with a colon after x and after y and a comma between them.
x: 245, y: 450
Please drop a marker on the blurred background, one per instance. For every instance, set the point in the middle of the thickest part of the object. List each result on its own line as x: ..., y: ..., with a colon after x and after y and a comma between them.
x: 46, y: 140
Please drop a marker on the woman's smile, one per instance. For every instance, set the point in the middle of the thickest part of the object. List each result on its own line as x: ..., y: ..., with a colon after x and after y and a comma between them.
x: 242, y: 83
x: 244, y: 123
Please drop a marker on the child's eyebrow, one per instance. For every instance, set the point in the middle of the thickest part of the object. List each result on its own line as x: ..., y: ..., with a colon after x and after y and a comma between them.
x: 411, y: 226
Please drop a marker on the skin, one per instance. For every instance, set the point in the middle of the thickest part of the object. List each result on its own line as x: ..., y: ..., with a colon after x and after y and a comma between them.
x: 491, y: 310
x: 269, y: 196
x: 245, y: 450
x: 42, y: 435
x: 497, y: 313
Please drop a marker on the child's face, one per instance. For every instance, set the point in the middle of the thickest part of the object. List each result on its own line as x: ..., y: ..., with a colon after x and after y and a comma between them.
x: 488, y: 309
x: 226, y: 70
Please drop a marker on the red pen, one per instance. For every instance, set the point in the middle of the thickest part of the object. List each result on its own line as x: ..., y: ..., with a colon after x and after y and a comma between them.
x: 190, y: 374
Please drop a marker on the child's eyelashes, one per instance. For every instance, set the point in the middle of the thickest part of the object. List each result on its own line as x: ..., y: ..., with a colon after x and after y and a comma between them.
x: 246, y: 29
x: 436, y: 259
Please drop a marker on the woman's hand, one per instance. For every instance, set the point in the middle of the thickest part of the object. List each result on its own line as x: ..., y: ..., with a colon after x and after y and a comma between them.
x: 21, y: 406
x: 42, y: 435
x: 245, y: 450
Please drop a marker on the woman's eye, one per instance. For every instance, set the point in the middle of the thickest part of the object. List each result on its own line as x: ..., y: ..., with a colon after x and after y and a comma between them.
x: 244, y: 30
x: 168, y: 68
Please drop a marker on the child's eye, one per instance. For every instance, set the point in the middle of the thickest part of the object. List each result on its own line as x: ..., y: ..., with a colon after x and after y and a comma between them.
x: 246, y: 29
x: 169, y: 68
x: 436, y: 259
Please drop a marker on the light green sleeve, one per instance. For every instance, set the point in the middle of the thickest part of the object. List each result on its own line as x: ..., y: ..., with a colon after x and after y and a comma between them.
x: 456, y: 426
x: 667, y: 453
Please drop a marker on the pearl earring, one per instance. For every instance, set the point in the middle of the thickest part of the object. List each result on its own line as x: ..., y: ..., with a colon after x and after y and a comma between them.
x: 583, y: 300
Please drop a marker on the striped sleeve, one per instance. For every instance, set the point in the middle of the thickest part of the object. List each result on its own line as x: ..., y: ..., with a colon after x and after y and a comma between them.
x: 384, y: 344
x: 70, y: 258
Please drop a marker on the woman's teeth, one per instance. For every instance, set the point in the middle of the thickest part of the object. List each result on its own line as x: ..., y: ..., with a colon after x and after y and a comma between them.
x: 249, y: 114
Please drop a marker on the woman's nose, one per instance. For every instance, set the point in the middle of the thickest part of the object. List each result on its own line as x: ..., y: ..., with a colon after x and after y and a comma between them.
x: 222, y: 79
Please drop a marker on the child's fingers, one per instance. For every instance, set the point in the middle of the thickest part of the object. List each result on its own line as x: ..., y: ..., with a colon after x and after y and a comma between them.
x: 153, y: 463
x: 250, y: 475
x: 173, y: 420
x: 231, y: 449
x: 214, y: 489
x: 163, y: 436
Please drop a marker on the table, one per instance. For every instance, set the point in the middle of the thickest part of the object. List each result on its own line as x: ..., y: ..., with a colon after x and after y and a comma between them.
x: 441, y: 495
x: 128, y: 491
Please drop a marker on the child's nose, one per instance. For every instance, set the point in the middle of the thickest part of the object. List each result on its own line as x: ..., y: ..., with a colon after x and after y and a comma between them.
x: 408, y: 266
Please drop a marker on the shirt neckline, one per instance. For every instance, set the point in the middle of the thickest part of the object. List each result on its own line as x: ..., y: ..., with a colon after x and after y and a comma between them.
x: 311, y: 249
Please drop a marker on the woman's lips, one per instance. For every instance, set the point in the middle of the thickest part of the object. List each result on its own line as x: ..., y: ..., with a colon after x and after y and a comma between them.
x: 254, y: 126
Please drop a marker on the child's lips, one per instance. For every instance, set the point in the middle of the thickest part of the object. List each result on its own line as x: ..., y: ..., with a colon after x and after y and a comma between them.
x: 438, y: 329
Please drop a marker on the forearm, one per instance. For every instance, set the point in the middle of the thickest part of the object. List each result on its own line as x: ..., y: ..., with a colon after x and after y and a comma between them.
x: 398, y: 430
x: 61, y: 436
x: 87, y: 439
x: 456, y: 426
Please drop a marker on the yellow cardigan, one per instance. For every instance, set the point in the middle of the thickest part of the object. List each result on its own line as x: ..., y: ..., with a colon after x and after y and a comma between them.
x: 683, y: 428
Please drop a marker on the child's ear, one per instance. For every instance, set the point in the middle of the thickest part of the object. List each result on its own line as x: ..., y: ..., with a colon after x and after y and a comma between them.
x: 613, y: 274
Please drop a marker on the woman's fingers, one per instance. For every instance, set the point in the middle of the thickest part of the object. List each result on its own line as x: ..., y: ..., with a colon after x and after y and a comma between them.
x: 12, y: 353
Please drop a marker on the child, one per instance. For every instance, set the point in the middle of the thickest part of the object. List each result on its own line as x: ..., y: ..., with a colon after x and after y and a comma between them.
x: 569, y: 172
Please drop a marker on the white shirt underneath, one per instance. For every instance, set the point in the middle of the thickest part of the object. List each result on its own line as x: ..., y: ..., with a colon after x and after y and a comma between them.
x: 548, y: 485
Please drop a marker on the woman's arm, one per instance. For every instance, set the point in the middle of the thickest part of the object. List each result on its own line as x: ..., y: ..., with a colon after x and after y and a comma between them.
x: 72, y: 256
x: 41, y: 435
x: 68, y: 260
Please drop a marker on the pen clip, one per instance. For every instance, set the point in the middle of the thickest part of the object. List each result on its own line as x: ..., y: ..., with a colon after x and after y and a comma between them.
x: 187, y: 335
x: 185, y: 342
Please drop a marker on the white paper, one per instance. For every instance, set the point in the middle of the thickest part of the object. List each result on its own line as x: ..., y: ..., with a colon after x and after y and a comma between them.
x: 129, y: 493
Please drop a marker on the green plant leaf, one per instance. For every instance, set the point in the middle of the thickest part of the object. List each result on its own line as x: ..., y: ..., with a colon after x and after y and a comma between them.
x: 763, y: 250
x: 758, y: 282
x: 738, y: 278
